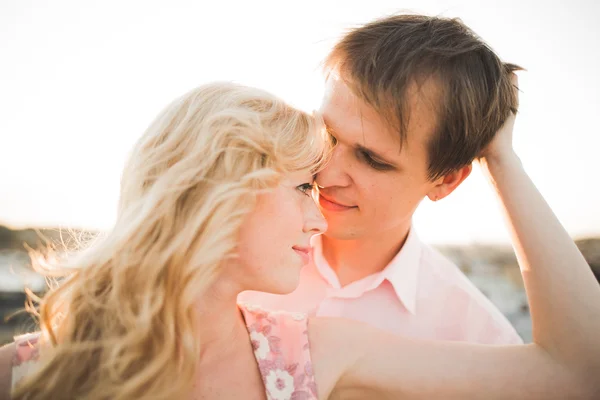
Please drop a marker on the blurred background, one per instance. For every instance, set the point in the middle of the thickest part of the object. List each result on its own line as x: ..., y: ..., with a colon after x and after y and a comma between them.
x: 80, y: 81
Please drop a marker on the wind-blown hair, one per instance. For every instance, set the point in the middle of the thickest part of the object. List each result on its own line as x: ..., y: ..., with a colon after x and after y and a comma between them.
x: 121, y: 323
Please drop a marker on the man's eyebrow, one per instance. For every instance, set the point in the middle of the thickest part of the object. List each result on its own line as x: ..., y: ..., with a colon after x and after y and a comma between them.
x: 370, y: 152
x: 373, y: 154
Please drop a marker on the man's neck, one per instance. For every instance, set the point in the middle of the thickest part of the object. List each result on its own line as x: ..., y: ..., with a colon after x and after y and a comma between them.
x: 353, y: 260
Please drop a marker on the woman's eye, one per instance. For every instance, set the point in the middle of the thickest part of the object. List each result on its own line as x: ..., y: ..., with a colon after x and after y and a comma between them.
x: 306, y: 188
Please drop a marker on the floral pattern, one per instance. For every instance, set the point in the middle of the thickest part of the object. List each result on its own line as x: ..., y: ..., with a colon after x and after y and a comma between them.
x: 280, y: 384
x: 260, y: 344
x: 282, y: 351
x: 279, y: 340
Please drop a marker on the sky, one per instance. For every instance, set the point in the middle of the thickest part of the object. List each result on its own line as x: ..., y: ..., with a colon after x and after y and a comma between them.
x: 81, y: 80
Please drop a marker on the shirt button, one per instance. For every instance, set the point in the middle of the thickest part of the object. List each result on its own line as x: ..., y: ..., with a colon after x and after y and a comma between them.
x: 298, y: 316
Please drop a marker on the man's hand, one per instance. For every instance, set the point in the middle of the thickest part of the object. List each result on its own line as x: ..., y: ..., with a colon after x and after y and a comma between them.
x: 500, y: 148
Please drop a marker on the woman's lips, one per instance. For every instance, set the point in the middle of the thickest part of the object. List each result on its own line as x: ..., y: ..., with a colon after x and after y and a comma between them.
x: 303, y: 252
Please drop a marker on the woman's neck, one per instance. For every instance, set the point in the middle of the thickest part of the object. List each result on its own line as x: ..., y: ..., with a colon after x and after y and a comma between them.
x: 220, y: 324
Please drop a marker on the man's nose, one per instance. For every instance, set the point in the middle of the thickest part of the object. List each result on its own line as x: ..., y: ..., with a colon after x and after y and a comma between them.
x: 336, y: 171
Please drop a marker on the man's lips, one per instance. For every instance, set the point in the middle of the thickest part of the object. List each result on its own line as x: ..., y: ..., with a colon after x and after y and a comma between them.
x: 331, y: 205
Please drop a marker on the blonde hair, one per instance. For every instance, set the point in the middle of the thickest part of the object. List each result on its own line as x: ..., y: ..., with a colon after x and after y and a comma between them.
x: 120, y: 325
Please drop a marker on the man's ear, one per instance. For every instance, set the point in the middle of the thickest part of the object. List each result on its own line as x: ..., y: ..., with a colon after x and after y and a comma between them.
x: 446, y: 184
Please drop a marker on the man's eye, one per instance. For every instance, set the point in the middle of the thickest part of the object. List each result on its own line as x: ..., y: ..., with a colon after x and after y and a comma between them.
x: 372, y: 163
x: 306, y: 188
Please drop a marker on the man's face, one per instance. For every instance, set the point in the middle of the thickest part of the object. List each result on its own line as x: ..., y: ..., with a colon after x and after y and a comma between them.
x: 372, y: 184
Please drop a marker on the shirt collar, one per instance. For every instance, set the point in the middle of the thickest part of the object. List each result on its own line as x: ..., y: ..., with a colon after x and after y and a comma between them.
x: 402, y: 272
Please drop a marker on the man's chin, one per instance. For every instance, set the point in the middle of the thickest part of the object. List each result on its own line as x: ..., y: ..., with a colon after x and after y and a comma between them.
x: 341, y: 232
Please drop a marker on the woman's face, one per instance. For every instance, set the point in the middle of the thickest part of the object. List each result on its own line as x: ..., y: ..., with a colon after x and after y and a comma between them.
x: 274, y: 242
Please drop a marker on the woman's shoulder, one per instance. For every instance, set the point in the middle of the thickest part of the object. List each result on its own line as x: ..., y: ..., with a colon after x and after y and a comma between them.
x: 18, y: 360
x: 337, y: 345
x: 26, y: 348
x: 7, y: 354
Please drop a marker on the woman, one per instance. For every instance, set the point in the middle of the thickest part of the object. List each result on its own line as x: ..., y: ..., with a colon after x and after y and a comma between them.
x: 217, y: 200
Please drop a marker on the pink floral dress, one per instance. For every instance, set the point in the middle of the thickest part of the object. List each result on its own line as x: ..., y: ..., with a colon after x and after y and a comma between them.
x: 281, y: 349
x: 25, y: 357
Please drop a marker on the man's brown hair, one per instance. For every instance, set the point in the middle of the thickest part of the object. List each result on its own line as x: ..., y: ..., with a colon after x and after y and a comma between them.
x: 382, y: 60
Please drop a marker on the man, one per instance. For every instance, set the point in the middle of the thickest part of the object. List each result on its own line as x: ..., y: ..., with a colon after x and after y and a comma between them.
x: 411, y: 101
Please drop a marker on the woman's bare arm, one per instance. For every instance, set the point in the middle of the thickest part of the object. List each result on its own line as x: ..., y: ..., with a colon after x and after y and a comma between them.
x: 356, y: 361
